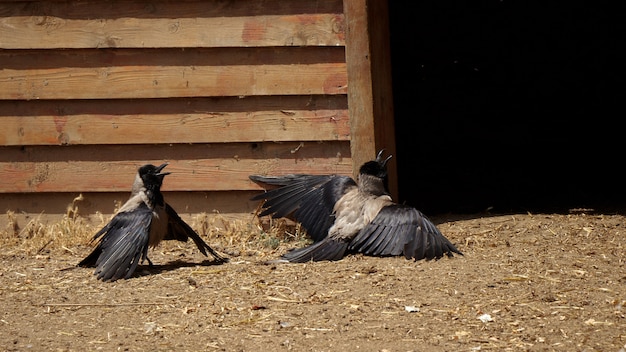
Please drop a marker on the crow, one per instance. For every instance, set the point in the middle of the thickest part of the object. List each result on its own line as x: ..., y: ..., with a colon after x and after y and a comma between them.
x: 143, y: 221
x: 345, y: 216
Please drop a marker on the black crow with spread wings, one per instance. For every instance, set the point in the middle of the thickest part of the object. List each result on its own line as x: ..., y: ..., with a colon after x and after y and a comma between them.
x: 344, y: 216
x: 143, y: 221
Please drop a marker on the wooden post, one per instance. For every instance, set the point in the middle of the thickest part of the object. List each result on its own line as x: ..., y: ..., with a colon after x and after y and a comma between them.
x: 370, y: 98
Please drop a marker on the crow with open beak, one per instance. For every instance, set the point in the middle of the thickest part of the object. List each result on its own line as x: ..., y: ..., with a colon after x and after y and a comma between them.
x: 143, y: 221
x: 344, y: 216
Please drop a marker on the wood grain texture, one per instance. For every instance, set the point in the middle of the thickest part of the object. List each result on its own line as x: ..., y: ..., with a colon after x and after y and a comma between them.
x: 370, y: 92
x: 196, y: 120
x: 91, y: 90
x: 320, y: 125
x: 133, y: 82
x: 360, y: 89
x: 162, y: 24
x: 201, y: 167
x: 382, y: 97
x: 224, y: 120
x: 171, y: 73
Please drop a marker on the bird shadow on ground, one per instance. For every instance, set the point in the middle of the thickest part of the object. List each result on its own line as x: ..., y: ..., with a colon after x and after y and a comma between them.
x: 146, y: 270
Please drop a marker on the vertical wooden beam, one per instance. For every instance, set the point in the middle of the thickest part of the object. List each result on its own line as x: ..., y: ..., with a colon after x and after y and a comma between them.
x: 370, y: 98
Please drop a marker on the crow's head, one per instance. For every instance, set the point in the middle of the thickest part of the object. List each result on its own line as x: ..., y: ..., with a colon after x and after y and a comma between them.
x: 377, y: 167
x: 151, y: 175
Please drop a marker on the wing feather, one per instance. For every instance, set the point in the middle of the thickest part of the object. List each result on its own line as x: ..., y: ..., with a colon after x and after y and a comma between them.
x: 326, y: 249
x: 178, y: 229
x: 310, y: 199
x: 123, y: 242
x: 400, y: 229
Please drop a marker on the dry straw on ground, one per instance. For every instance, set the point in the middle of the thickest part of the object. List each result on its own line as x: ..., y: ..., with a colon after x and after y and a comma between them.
x: 233, y: 236
x: 527, y: 282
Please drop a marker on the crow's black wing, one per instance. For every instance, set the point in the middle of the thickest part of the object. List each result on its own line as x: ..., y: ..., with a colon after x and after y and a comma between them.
x: 310, y: 199
x: 400, y: 229
x: 326, y: 249
x: 177, y: 229
x: 123, y: 243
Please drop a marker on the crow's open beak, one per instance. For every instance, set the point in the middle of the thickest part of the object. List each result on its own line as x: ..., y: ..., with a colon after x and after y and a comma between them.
x: 386, y: 160
x: 379, y: 156
x: 160, y: 168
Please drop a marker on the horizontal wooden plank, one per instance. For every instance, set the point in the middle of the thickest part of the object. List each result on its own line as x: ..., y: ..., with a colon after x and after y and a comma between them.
x: 274, y: 126
x: 172, y: 81
x: 98, y: 207
x: 166, y: 73
x: 138, y: 24
x: 194, y: 167
x: 218, y: 120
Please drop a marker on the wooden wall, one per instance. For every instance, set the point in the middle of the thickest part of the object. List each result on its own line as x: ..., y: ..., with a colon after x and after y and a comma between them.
x: 91, y: 90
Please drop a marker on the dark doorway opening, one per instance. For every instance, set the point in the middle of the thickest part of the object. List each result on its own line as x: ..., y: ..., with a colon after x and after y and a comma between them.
x: 505, y: 108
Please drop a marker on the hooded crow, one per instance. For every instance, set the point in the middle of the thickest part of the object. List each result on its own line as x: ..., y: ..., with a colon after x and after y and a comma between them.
x: 344, y: 216
x: 143, y: 221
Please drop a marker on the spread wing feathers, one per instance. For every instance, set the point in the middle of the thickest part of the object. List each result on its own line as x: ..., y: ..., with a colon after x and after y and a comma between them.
x: 326, y: 249
x: 178, y: 229
x: 123, y: 243
x: 310, y: 199
x: 400, y: 229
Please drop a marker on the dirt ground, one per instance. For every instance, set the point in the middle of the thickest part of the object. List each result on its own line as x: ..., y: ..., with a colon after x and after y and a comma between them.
x: 527, y: 282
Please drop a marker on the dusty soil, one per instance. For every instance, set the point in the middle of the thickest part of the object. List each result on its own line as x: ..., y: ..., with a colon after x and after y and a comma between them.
x: 526, y: 282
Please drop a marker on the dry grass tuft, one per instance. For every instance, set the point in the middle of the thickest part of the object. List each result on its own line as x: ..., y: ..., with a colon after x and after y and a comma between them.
x: 259, y: 237
x: 249, y: 237
x: 37, y: 236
